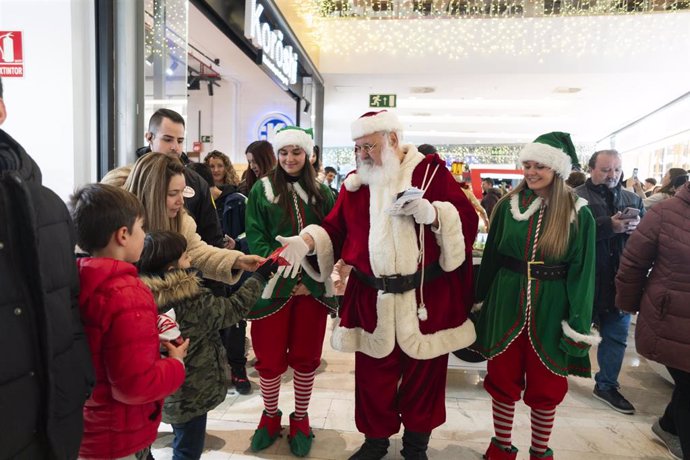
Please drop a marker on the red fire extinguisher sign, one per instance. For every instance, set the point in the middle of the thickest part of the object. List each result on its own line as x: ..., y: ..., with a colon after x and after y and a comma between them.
x: 11, y: 54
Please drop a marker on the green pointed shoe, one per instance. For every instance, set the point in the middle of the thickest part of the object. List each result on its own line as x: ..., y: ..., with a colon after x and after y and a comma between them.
x: 301, y: 436
x: 267, y: 431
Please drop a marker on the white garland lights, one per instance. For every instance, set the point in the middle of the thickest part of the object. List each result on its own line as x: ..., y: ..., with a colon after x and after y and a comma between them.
x: 518, y: 27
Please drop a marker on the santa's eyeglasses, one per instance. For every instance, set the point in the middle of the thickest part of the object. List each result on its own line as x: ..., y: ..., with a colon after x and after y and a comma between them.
x: 366, y: 148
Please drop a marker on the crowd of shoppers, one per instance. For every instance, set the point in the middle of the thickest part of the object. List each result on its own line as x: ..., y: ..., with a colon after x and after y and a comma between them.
x: 562, y: 265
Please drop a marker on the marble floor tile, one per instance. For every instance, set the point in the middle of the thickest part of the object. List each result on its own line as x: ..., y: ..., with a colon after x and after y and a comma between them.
x: 585, y: 428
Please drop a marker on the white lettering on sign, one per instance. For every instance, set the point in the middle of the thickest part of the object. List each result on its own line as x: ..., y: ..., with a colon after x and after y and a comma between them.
x: 280, y: 59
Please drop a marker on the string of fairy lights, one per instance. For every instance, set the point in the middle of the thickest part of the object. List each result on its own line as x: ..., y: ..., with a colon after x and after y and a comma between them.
x: 506, y: 154
x: 513, y: 27
x: 172, y: 43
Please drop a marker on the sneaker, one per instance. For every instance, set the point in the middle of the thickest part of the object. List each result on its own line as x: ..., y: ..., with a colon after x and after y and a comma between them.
x: 671, y: 441
x: 240, y: 381
x: 614, y: 399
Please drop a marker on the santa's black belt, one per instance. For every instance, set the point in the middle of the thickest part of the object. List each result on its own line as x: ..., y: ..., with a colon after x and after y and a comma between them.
x: 535, y: 269
x: 397, y: 284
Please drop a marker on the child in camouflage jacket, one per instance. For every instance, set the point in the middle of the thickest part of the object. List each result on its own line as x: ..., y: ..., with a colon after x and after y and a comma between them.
x: 165, y: 269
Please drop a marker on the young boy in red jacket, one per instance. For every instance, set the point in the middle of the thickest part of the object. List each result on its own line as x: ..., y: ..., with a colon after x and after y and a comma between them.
x: 119, y: 314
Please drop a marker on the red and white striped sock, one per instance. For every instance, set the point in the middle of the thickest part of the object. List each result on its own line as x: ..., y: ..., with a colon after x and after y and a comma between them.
x: 270, y: 390
x: 304, y: 382
x: 503, y: 422
x: 542, y: 424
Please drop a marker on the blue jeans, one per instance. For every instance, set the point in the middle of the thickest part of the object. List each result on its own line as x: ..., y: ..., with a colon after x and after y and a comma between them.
x: 189, y: 438
x: 613, y: 328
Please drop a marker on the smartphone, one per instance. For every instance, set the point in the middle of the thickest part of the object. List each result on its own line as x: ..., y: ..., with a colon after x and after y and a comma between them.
x: 634, y: 175
x: 630, y: 213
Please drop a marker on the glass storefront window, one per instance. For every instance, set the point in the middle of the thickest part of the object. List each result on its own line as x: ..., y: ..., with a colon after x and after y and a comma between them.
x: 165, y: 50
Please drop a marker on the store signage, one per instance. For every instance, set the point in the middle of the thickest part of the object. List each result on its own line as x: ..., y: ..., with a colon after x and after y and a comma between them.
x: 382, y: 100
x: 271, y: 124
x: 11, y: 55
x: 280, y: 59
x: 197, y: 147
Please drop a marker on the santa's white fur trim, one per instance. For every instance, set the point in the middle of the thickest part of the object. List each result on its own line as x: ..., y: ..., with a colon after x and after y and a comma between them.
x: 293, y: 137
x: 268, y: 190
x: 353, y: 182
x: 547, y: 155
x: 384, y: 121
x: 449, y: 236
x: 591, y: 339
x: 323, y: 247
x: 393, y: 249
x: 477, y: 307
x: 397, y: 320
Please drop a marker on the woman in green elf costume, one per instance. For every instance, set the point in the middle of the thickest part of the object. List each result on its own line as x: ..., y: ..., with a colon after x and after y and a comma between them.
x: 536, y: 281
x: 289, y: 321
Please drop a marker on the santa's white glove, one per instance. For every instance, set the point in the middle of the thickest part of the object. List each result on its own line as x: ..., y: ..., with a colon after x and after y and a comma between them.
x: 422, y: 211
x: 295, y: 251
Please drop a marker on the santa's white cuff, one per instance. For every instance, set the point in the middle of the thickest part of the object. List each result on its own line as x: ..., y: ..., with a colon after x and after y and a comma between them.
x: 449, y: 236
x: 323, y: 247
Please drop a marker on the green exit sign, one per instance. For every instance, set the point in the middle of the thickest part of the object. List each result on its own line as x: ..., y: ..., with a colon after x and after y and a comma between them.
x: 382, y: 100
x: 206, y: 139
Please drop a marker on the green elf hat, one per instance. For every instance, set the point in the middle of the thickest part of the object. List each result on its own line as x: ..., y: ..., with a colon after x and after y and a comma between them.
x: 555, y: 150
x: 294, y: 135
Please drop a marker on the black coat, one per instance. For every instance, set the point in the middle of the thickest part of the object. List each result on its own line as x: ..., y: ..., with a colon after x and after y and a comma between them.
x: 45, y: 372
x: 604, y: 203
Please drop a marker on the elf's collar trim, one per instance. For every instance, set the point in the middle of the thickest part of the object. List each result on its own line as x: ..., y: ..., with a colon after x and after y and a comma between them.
x: 531, y: 209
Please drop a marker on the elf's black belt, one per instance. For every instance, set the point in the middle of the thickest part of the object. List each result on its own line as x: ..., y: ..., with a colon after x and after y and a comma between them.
x: 535, y: 269
x: 397, y: 284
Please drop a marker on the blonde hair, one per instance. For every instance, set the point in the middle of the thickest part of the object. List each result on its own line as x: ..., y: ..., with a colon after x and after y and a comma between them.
x: 117, y: 177
x: 149, y: 181
x: 555, y: 234
x: 231, y: 177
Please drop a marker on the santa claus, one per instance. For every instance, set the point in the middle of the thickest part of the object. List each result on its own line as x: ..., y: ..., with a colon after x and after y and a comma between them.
x: 406, y: 302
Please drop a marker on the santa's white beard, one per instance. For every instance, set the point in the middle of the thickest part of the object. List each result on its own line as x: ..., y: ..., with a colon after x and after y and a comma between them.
x: 381, y: 175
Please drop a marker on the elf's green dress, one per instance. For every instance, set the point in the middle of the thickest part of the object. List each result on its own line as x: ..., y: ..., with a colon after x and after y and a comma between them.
x: 559, y: 317
x: 264, y: 221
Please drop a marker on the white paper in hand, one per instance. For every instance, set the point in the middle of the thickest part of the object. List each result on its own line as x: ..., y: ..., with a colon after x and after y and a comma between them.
x: 403, y: 198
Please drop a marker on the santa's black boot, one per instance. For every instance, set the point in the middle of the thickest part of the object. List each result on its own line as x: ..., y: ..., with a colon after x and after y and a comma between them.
x: 414, y: 445
x: 372, y: 449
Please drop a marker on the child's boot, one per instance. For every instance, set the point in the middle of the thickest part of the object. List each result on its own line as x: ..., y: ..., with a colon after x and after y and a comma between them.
x: 496, y: 452
x: 300, y: 436
x: 267, y: 431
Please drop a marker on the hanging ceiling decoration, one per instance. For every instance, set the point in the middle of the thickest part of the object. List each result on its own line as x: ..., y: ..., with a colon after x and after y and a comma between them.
x: 457, y: 28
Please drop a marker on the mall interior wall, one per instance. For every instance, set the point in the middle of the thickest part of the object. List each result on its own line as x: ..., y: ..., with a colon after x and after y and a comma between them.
x: 51, y: 107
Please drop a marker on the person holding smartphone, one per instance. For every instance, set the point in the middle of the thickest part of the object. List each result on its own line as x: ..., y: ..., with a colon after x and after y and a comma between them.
x: 617, y: 213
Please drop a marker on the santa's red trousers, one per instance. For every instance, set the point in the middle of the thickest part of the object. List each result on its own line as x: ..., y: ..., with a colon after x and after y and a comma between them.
x: 519, y: 369
x: 399, y: 388
x: 293, y: 337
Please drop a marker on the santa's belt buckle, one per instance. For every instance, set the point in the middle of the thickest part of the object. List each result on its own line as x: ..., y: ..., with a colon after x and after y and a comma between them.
x: 397, y: 284
x: 530, y: 263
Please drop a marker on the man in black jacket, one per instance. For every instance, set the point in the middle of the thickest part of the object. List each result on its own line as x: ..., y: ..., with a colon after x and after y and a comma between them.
x: 166, y: 135
x: 608, y: 201
x: 46, y: 373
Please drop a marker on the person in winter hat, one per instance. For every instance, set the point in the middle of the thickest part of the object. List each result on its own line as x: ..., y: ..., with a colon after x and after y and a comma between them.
x: 289, y: 321
x: 535, y: 288
x: 410, y: 291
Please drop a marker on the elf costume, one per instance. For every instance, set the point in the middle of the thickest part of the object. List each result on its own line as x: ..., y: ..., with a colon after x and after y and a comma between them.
x: 404, y: 308
x: 286, y: 330
x: 534, y: 324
